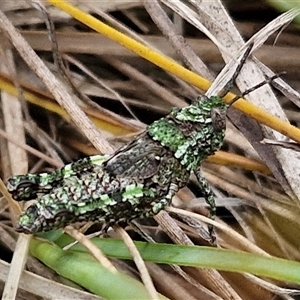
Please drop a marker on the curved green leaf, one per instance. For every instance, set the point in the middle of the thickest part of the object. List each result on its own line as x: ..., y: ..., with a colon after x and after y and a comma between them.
x: 284, y: 5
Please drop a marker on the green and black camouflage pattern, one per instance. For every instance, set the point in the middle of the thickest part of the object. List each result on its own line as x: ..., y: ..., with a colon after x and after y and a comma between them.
x: 137, y: 181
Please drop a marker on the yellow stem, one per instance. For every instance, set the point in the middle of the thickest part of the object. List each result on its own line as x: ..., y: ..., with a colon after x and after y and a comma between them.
x: 173, y: 67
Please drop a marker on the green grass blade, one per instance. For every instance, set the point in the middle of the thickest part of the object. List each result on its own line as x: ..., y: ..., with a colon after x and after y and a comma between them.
x: 84, y: 270
x: 204, y: 257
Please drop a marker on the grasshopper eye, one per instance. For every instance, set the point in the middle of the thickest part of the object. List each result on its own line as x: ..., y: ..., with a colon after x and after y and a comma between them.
x: 218, y: 116
x: 32, y: 210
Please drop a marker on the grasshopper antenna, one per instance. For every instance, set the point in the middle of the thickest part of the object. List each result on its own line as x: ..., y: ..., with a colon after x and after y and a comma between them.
x: 268, y: 80
x: 228, y: 86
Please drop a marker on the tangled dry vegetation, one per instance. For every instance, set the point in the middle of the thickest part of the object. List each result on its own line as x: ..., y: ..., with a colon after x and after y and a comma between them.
x: 256, y: 184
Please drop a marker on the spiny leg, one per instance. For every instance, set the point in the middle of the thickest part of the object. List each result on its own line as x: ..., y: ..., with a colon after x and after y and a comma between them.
x: 209, y: 199
x: 158, y: 206
x: 173, y: 189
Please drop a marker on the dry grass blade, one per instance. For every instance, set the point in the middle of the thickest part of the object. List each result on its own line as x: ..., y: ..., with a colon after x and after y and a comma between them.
x: 96, y: 252
x: 13, y: 122
x: 230, y: 232
x: 161, y: 92
x: 54, y: 86
x: 17, y: 266
x: 191, y: 16
x: 283, y: 293
x: 109, y: 123
x: 178, y: 42
x: 31, y: 150
x: 257, y: 40
x: 166, y: 281
x: 138, y: 262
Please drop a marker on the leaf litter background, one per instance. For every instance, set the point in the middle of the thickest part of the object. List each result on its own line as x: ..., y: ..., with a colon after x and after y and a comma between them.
x: 126, y: 93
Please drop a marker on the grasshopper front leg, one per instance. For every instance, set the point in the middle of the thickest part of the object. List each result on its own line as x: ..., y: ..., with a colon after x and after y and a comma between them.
x: 157, y: 207
x: 209, y: 199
